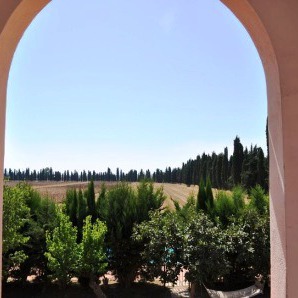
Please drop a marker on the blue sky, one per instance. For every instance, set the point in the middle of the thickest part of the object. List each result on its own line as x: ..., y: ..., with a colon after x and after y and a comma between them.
x: 132, y: 84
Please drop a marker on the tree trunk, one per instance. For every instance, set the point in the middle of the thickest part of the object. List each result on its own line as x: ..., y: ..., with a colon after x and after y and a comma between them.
x: 193, y: 290
x: 126, y: 280
x: 96, y: 289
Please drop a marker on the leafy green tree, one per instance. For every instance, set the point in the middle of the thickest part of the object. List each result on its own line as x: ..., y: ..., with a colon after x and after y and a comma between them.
x: 43, y: 218
x: 249, y: 235
x: 92, y: 258
x: 162, y: 246
x: 204, y: 249
x: 15, y: 215
x: 62, y: 249
x: 173, y: 241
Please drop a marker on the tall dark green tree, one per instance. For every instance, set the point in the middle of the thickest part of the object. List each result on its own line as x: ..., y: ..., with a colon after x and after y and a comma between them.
x: 225, y: 169
x: 91, y: 207
x: 237, y: 161
x: 125, y: 208
x: 219, y: 162
x: 209, y: 196
x: 102, y: 203
x: 214, y: 170
x: 202, y: 198
x: 81, y: 212
x: 74, y: 208
x: 261, y: 169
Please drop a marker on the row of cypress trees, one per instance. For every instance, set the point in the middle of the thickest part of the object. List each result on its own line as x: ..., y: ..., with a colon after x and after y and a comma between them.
x: 247, y: 167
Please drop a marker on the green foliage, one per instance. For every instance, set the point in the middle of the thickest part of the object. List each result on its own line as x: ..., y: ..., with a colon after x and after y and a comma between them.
x: 230, y: 240
x: 202, y: 198
x: 209, y: 196
x: 249, y: 235
x: 238, y: 195
x: 238, y: 157
x: 91, y: 208
x: 261, y: 169
x: 183, y: 211
x: 74, y: 208
x: 173, y: 241
x: 236, y: 247
x: 63, y: 250
x: 102, y: 203
x: 224, y: 207
x: 71, y: 205
x: 40, y: 215
x: 123, y: 208
x: 92, y: 259
x: 162, y: 246
x: 46, y: 214
x: 68, y: 201
x: 148, y: 199
x: 43, y: 218
x: 258, y: 200
x: 121, y: 216
x: 81, y: 212
x: 204, y: 249
x: 15, y: 216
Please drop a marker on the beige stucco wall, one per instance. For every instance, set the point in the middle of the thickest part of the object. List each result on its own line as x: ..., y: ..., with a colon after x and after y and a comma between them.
x: 272, y: 25
x: 15, y: 17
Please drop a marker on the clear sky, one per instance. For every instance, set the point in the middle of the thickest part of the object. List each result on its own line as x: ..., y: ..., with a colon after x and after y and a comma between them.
x: 132, y: 84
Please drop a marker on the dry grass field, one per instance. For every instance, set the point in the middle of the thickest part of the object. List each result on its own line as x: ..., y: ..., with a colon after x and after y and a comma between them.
x: 57, y: 190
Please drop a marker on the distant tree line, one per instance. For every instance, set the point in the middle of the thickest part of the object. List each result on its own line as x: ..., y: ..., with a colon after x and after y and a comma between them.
x: 248, y: 167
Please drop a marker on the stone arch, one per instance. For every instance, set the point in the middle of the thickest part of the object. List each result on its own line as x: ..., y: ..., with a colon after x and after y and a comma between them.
x: 272, y: 25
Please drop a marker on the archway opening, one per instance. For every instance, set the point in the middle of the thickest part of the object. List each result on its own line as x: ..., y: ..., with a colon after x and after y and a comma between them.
x: 168, y: 23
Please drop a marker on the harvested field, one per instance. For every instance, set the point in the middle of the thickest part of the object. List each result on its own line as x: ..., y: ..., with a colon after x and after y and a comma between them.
x: 57, y: 190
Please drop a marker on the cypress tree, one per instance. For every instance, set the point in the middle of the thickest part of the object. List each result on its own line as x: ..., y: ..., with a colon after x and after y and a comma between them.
x: 237, y: 161
x: 73, y: 207
x: 219, y: 162
x: 209, y: 195
x: 68, y: 201
x: 261, y: 170
x: 81, y: 213
x: 214, y: 170
x: 201, y: 199
x: 267, y: 138
x: 102, y: 204
x: 91, y: 200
